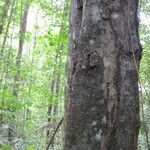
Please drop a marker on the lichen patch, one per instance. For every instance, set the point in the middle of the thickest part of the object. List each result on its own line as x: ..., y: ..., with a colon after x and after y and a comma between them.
x: 92, y: 42
x: 104, y: 120
x: 94, y: 123
x: 73, y: 35
x: 98, y: 135
x: 95, y: 13
x: 114, y: 15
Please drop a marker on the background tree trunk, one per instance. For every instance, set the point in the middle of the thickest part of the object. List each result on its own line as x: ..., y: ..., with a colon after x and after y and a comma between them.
x: 102, y: 107
x: 3, y: 15
x: 23, y: 24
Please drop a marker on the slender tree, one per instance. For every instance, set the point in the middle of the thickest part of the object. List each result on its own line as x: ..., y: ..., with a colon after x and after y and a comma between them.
x: 23, y: 24
x: 53, y: 109
x: 102, y: 107
x: 3, y: 15
x: 9, y: 20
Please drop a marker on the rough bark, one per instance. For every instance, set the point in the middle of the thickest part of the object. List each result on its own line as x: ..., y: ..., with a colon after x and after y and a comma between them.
x: 102, y: 106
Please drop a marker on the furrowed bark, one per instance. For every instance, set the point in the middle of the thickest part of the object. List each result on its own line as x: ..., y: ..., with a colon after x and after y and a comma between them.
x: 102, y: 107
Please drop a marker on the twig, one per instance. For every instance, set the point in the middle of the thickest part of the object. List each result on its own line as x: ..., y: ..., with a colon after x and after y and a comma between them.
x: 53, y: 136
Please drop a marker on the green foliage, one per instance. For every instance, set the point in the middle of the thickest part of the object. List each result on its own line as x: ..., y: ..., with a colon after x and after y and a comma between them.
x: 30, y: 147
x: 6, y: 147
x: 41, y: 79
x: 145, y: 6
x: 144, y: 136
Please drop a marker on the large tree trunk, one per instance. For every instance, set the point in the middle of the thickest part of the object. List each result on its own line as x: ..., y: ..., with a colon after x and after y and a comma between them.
x: 102, y: 107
